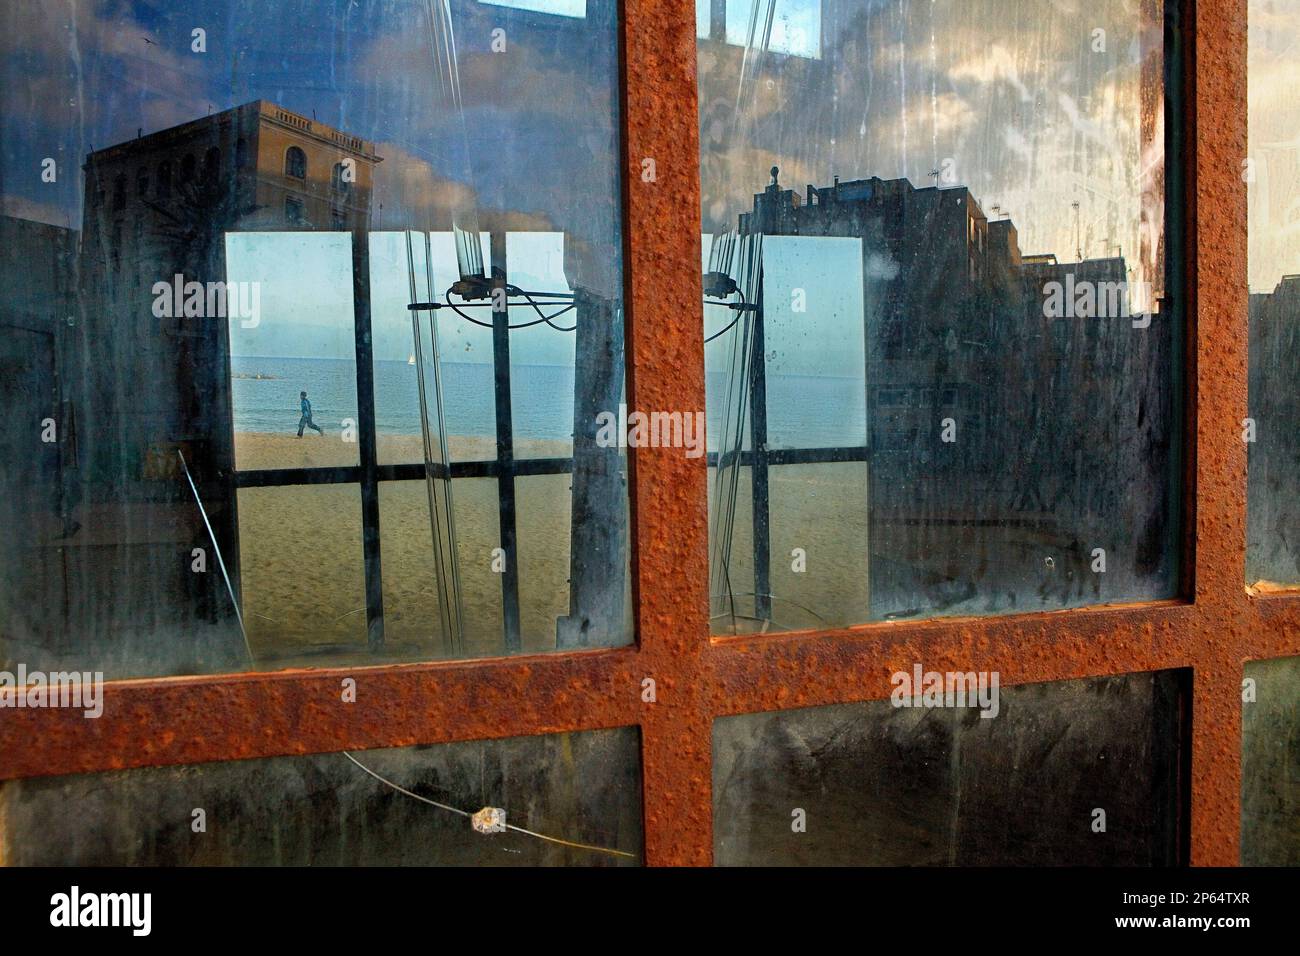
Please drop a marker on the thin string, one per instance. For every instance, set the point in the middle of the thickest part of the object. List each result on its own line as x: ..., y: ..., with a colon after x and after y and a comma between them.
x: 217, y: 548
x: 509, y: 826
x: 389, y: 783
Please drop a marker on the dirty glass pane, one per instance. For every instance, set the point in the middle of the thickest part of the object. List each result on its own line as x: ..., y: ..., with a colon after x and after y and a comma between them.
x: 1272, y: 174
x: 742, y: 601
x: 1063, y: 774
x: 935, y: 248
x: 542, y: 354
x: 252, y: 275
x: 1270, y: 763
x: 325, y: 810
x: 795, y: 24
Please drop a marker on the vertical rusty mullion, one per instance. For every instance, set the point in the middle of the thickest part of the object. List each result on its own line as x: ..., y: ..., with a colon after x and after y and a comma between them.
x: 1216, y: 762
x: 1217, y: 281
x: 666, y: 373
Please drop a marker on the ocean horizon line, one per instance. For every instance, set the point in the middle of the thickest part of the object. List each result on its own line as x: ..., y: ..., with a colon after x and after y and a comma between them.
x: 390, y: 361
x: 405, y: 361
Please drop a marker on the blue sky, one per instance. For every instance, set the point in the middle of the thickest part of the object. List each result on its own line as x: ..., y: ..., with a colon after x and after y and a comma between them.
x: 305, y: 282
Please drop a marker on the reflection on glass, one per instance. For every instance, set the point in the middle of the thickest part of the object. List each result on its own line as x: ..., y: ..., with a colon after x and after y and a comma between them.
x: 570, y: 599
x: 327, y: 810
x: 466, y: 374
x: 293, y: 355
x: 1272, y: 174
x: 793, y: 26
x: 934, y: 245
x: 1270, y: 763
x: 542, y: 353
x: 881, y: 785
x: 821, y: 592
x: 261, y: 273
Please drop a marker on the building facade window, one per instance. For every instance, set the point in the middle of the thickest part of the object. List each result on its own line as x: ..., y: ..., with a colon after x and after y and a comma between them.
x: 295, y: 163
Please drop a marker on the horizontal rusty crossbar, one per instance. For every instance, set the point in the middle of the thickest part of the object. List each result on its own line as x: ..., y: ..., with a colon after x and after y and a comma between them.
x: 1212, y: 631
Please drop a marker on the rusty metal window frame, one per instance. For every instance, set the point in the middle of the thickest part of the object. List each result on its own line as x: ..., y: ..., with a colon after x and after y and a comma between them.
x: 1211, y: 630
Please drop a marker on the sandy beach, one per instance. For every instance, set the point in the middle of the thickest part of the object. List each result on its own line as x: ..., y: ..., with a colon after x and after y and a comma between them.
x: 304, y: 589
x: 301, y: 553
x: 301, y: 559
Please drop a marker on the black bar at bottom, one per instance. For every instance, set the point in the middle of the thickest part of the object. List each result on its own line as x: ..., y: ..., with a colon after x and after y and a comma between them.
x: 1222, y: 905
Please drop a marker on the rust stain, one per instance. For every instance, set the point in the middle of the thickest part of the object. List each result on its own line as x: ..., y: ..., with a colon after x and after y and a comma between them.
x: 669, y: 491
x: 197, y: 719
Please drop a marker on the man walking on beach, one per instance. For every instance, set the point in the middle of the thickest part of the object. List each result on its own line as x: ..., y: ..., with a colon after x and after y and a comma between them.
x: 306, y: 417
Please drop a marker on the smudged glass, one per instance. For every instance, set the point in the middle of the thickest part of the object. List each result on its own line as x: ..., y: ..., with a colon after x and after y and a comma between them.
x: 578, y: 794
x: 284, y: 281
x: 1270, y: 763
x: 884, y: 785
x: 938, y: 340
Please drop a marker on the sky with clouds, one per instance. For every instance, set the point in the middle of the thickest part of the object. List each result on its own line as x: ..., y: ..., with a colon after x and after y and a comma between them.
x: 85, y: 74
x: 1037, y: 104
x: 1033, y: 104
x: 527, y: 141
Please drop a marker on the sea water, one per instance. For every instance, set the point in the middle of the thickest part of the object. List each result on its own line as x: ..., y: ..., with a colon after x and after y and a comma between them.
x: 803, y: 411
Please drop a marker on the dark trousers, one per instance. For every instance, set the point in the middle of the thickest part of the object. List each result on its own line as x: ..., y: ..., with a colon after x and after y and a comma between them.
x: 306, y: 421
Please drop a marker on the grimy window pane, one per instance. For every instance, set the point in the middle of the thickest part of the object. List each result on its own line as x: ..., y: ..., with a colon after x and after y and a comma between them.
x: 325, y: 810
x: 1272, y: 174
x: 1270, y: 763
x: 1075, y: 773
x: 255, y: 274
x: 935, y: 247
